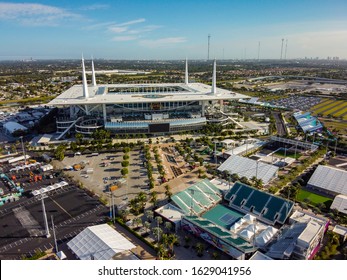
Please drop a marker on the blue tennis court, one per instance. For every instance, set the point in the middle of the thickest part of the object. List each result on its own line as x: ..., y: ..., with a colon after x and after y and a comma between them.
x: 222, y: 216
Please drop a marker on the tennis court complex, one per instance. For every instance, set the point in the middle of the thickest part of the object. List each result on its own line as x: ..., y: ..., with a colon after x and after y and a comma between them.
x: 222, y: 216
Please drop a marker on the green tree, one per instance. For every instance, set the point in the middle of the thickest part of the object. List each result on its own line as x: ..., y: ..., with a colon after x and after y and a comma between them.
x: 157, y: 232
x: 168, y: 226
x: 200, y: 248
x: 124, y: 171
x: 150, y: 215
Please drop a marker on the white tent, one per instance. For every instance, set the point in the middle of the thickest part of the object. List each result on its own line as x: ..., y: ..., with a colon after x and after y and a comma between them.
x: 246, y: 234
x: 100, y: 242
x: 265, y: 236
x: 340, y: 203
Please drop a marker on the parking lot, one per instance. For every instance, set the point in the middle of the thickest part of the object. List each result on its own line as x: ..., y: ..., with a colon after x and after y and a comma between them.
x: 106, y: 171
x: 21, y: 219
x: 22, y: 223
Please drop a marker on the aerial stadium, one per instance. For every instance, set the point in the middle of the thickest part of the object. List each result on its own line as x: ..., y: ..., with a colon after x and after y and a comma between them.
x: 150, y: 108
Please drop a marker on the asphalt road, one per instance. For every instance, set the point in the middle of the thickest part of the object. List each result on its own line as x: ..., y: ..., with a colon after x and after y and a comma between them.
x: 281, y: 129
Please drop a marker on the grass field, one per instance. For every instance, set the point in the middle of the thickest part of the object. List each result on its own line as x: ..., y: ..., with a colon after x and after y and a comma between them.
x: 314, y: 199
x: 288, y: 154
x: 336, y: 109
x: 340, y: 126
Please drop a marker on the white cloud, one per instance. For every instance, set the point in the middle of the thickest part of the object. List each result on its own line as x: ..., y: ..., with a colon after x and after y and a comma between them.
x: 34, y: 14
x: 162, y: 42
x: 124, y: 38
x: 98, y: 26
x: 94, y: 7
x: 144, y: 29
x: 117, y: 29
x: 140, y: 20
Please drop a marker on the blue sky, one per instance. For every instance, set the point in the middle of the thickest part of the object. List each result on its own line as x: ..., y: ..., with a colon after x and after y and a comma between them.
x: 162, y: 29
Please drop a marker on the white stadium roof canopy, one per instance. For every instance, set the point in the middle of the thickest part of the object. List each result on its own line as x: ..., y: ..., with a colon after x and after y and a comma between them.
x: 330, y: 179
x: 100, y: 242
x: 248, y: 168
x: 340, y: 203
x: 139, y: 93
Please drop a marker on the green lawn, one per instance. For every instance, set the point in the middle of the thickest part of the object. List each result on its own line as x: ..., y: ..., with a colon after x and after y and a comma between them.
x: 288, y: 154
x: 315, y: 199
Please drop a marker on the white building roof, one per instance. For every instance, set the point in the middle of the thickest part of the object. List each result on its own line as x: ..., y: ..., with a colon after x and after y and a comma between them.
x: 340, y: 230
x: 245, y: 148
x: 100, y: 242
x: 302, y: 217
x: 13, y: 126
x: 228, y: 141
x: 340, y: 203
x: 248, y: 167
x: 329, y: 178
x: 138, y: 93
x: 221, y: 184
x: 258, y: 256
x: 310, y: 232
x: 45, y: 138
x: 170, y: 212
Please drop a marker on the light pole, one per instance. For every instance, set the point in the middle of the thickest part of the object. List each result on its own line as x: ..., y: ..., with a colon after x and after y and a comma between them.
x: 55, y: 238
x: 48, y: 235
x: 335, y: 146
x: 191, y: 202
x: 21, y: 138
x: 215, y: 152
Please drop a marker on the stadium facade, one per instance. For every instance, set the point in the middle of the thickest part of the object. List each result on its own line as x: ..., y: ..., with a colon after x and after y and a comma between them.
x: 150, y: 108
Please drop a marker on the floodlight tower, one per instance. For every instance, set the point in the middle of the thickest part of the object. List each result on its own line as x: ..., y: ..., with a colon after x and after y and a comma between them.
x: 282, y: 48
x: 47, y: 233
x: 285, y: 51
x: 208, y: 46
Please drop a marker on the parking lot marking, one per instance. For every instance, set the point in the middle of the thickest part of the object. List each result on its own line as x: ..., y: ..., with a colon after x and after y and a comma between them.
x: 60, y: 206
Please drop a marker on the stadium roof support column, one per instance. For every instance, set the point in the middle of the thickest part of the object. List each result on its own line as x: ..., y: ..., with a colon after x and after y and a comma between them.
x: 93, y: 74
x: 84, y: 81
x: 214, y: 87
x: 186, y: 74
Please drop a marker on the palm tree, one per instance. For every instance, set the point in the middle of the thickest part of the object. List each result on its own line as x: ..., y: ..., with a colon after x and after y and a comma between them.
x: 187, y: 240
x: 124, y: 214
x: 157, y: 232
x: 147, y: 225
x: 142, y: 198
x: 172, y: 240
x: 200, y: 172
x: 154, y: 198
x: 150, y: 215
x: 168, y: 226
x: 137, y: 221
x: 165, y: 239
x: 161, y: 251
x: 168, y: 192
x: 159, y: 220
x: 200, y: 248
x: 258, y: 183
x: 135, y: 206
x: 235, y: 177
x: 215, y: 255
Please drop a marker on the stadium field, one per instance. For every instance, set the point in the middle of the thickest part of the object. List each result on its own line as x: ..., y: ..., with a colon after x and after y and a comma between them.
x: 314, y: 199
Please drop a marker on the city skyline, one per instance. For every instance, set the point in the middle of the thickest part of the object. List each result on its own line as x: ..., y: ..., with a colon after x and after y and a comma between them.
x: 173, y: 30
